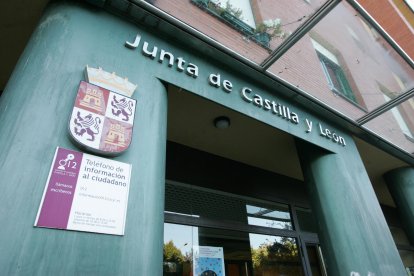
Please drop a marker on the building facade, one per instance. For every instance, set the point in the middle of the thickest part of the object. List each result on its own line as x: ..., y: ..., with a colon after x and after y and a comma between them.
x: 267, y: 138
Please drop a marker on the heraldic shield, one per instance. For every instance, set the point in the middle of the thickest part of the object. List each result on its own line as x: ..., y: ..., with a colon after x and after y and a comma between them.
x: 102, y: 120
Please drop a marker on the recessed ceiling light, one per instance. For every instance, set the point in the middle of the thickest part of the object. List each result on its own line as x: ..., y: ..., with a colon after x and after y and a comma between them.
x: 222, y: 122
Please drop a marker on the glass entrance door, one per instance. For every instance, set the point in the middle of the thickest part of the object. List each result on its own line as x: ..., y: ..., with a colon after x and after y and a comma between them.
x: 244, y: 254
x: 208, y: 232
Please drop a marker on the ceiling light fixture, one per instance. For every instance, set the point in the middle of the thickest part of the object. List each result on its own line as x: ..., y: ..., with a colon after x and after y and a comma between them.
x: 222, y: 122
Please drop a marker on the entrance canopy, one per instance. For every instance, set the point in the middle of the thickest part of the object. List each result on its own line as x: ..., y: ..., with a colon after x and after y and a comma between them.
x: 332, y: 52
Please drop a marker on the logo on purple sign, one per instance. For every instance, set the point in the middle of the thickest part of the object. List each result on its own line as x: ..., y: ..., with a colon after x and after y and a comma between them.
x: 64, y: 162
x: 102, y: 120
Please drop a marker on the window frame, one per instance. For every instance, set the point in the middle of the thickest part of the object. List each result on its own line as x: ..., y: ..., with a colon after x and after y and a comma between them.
x: 245, y: 7
x: 344, y: 88
x: 262, y: 38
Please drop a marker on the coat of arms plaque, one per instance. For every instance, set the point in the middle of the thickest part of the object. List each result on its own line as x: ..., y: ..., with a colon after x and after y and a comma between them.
x: 102, y: 120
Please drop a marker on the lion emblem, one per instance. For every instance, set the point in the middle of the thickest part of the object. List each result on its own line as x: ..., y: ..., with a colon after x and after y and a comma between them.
x: 122, y: 107
x: 88, y: 125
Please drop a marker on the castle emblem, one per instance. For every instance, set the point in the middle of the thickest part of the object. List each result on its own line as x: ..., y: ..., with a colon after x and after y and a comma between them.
x: 103, y: 114
x: 93, y: 99
x: 116, y: 135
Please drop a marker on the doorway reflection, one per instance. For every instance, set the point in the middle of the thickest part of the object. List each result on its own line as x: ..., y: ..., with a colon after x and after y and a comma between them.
x: 177, y: 251
x: 243, y: 254
x: 273, y: 255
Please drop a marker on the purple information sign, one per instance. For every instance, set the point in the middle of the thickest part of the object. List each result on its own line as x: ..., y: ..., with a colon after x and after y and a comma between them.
x: 85, y: 193
x: 60, y: 190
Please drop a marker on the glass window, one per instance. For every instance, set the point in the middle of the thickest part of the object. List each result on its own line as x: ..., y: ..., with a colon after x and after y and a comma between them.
x: 336, y: 77
x: 240, y: 9
x: 220, y: 206
x: 396, y: 125
x: 276, y: 217
x: 400, y: 121
x: 239, y: 15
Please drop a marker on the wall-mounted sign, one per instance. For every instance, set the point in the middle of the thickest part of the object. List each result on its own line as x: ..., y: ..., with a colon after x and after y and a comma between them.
x: 208, y: 261
x: 271, y: 105
x: 102, y: 121
x: 85, y: 193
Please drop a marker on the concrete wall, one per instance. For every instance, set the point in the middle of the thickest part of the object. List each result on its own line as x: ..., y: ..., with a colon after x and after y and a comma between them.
x: 34, y: 112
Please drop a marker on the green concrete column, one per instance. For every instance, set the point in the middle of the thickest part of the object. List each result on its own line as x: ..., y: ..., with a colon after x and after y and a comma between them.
x: 354, y: 235
x: 401, y: 185
x: 34, y: 113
